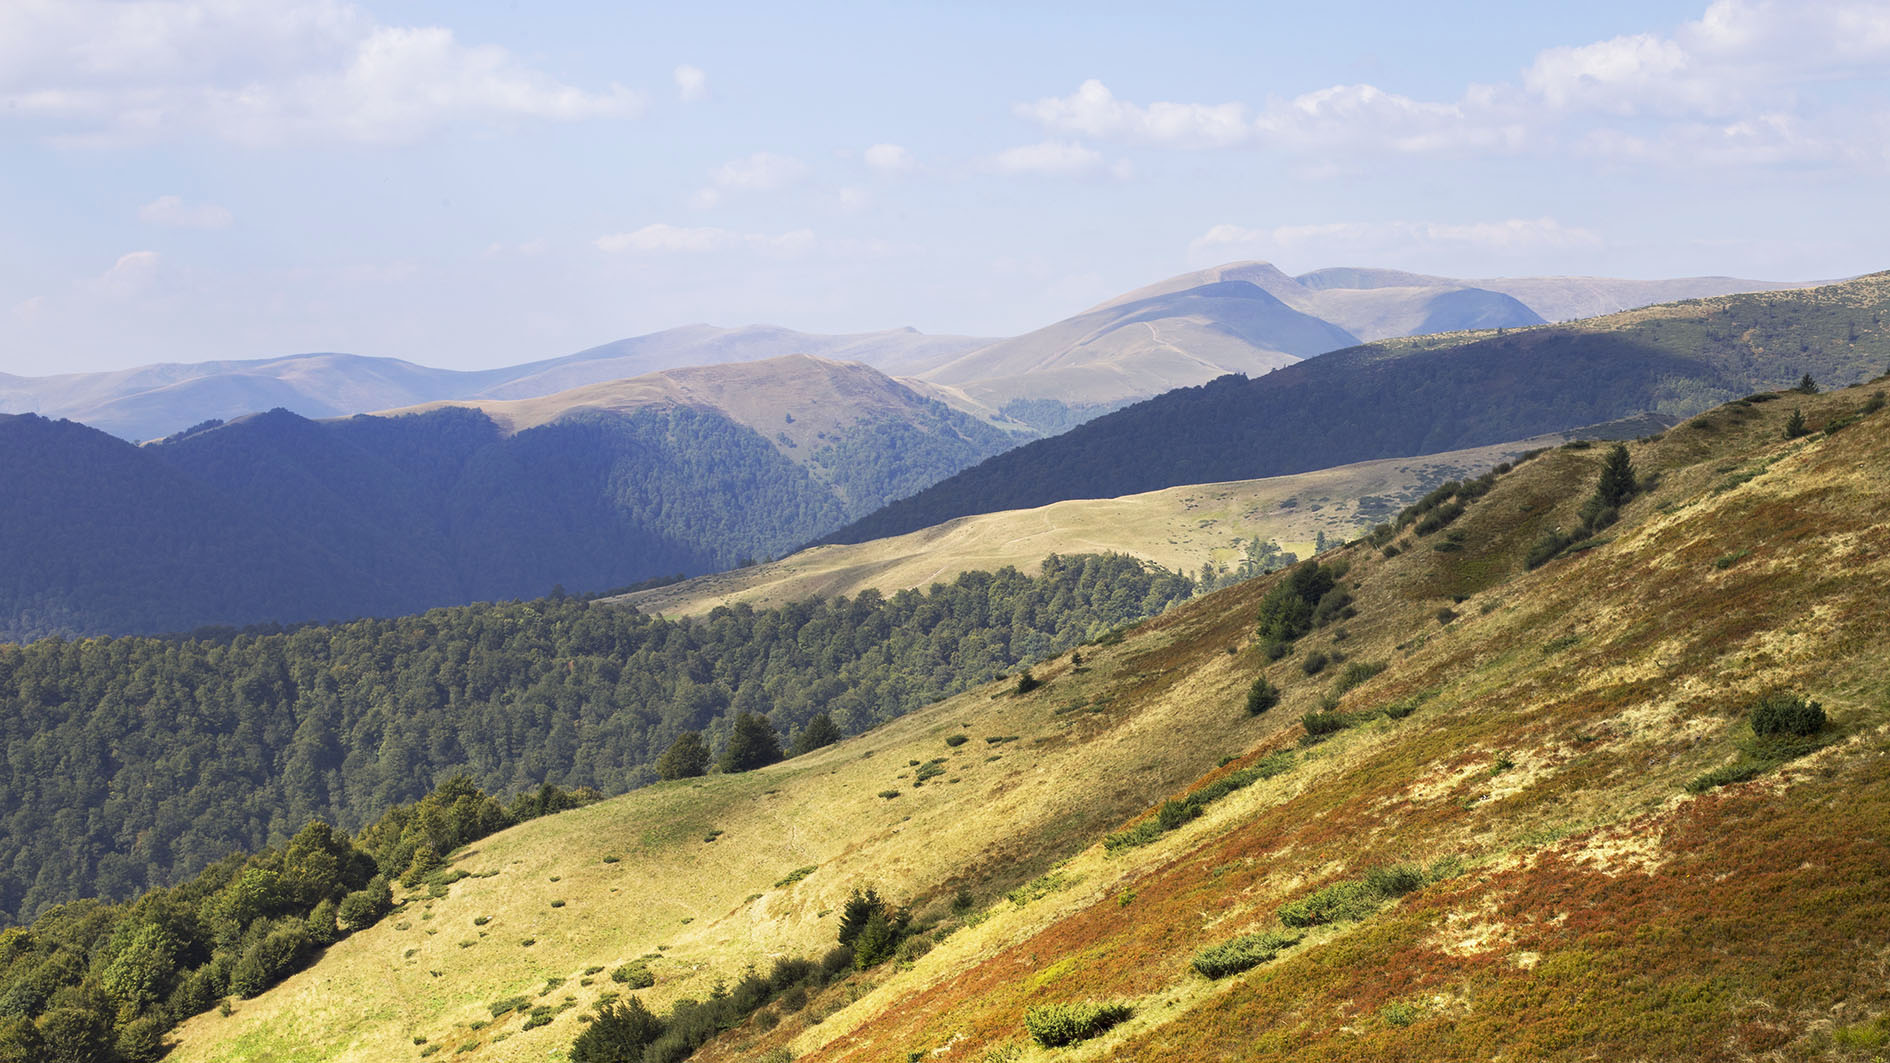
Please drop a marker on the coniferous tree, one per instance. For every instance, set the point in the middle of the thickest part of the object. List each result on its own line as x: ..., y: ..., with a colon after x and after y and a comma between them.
x: 820, y: 731
x: 686, y: 758
x: 1795, y: 427
x: 1807, y: 386
x: 861, y: 906
x: 751, y: 745
x: 1618, y: 483
x: 619, y: 1034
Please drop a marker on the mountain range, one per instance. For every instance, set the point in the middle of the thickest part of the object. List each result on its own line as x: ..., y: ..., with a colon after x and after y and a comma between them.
x: 1418, y: 395
x: 1244, y: 317
x: 274, y: 517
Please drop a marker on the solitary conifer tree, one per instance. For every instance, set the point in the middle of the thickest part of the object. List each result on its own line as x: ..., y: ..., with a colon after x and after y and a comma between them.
x: 1807, y: 386
x: 1617, y: 478
x: 1796, y: 426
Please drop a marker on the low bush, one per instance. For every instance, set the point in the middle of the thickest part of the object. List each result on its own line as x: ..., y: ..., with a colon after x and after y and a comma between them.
x: 1056, y: 1025
x: 1314, y: 663
x: 633, y: 976
x: 956, y: 740
x: 1242, y: 953
x: 1261, y: 696
x: 1785, y: 713
x: 1321, y: 723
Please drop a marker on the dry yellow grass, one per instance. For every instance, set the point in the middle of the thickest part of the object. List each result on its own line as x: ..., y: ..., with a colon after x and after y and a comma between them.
x: 1179, y: 528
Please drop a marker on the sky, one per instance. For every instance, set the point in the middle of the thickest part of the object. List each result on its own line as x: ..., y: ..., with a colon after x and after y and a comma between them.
x: 477, y: 183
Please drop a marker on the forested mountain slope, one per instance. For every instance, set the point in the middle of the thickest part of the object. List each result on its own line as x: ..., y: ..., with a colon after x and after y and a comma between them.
x: 132, y: 762
x: 1425, y: 394
x: 278, y: 518
x: 1482, y: 786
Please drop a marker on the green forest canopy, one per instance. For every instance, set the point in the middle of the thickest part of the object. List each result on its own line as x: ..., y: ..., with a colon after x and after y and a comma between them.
x: 132, y: 762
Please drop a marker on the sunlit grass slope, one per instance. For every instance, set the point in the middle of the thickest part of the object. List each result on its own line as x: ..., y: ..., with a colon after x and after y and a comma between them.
x: 1524, y: 753
x: 1180, y: 528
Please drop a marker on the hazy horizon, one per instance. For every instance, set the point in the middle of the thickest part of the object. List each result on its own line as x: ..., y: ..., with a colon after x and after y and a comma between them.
x: 472, y: 185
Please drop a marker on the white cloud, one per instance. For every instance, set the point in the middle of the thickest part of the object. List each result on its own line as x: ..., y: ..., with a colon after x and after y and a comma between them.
x: 1051, y: 157
x: 691, y: 83
x: 263, y: 72
x: 1748, y: 83
x: 888, y: 158
x: 662, y: 238
x: 1093, y: 111
x: 131, y: 275
x: 763, y: 171
x: 172, y: 211
x: 1738, y: 55
x: 1334, y: 241
x: 1365, y: 117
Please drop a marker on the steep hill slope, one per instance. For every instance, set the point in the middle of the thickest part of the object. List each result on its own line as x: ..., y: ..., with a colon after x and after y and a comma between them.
x: 1181, y: 528
x: 1505, y: 834
x: 1424, y: 394
x: 275, y: 517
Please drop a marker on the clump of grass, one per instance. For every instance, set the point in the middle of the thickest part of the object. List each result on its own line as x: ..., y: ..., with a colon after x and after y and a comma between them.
x: 1056, y: 1025
x: 889, y: 794
x: 1041, y: 886
x: 1355, y: 898
x: 1175, y: 812
x: 796, y: 875
x: 1242, y: 953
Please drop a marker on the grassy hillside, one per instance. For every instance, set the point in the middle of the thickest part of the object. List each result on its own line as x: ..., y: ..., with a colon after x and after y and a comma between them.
x: 1489, y: 850
x: 1426, y: 394
x: 1180, y: 529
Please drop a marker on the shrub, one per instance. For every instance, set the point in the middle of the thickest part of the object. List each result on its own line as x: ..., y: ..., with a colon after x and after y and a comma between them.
x: 1314, y: 663
x: 500, y: 1007
x: 1242, y: 953
x: 1350, y: 899
x: 956, y: 740
x: 1056, y: 1025
x: 1261, y: 696
x: 1395, y: 880
x: 1027, y: 682
x: 1321, y: 723
x: 1355, y: 673
x: 1784, y: 713
x: 633, y: 976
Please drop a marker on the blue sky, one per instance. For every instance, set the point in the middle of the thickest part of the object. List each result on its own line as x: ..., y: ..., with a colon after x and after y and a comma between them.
x: 468, y: 184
